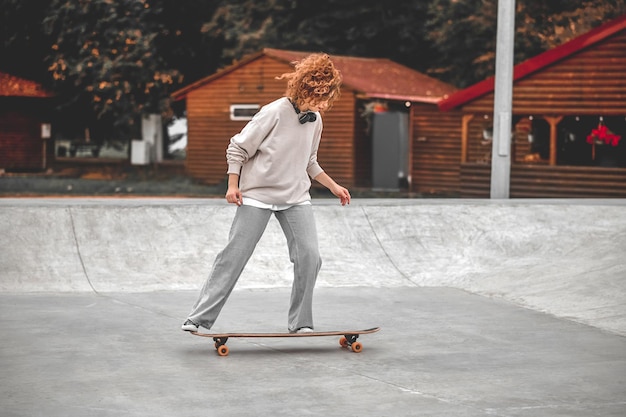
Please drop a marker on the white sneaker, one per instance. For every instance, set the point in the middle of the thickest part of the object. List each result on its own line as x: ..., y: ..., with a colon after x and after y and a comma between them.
x: 190, y: 326
x: 304, y: 330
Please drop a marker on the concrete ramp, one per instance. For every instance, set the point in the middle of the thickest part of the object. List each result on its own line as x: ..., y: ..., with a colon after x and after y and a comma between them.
x: 563, y: 257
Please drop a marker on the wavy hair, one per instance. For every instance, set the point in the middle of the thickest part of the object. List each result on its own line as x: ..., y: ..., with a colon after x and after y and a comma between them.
x: 315, y: 79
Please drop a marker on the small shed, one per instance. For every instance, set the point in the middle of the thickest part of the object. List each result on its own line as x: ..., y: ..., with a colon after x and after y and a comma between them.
x: 219, y: 105
x: 569, y: 121
x: 25, y: 124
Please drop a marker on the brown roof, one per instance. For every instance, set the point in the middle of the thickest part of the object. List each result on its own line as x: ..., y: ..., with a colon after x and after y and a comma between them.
x: 368, y: 77
x: 537, y: 63
x: 12, y: 86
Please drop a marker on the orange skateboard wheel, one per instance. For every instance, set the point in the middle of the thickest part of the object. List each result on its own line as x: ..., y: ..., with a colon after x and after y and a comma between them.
x: 343, y: 341
x: 357, y: 347
x: 222, y: 350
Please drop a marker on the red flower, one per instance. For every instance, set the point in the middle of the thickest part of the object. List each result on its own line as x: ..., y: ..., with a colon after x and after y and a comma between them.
x: 603, y: 134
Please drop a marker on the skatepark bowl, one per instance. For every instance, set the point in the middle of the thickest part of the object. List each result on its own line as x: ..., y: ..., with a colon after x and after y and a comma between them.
x: 486, y: 307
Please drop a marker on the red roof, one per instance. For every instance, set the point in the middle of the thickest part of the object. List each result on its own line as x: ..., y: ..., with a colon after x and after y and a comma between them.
x: 537, y: 63
x: 368, y: 77
x: 12, y: 86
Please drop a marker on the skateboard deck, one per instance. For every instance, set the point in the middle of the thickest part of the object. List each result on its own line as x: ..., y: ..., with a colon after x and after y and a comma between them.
x: 347, y: 340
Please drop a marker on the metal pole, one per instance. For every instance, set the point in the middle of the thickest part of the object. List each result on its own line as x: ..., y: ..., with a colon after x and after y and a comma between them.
x: 501, y: 145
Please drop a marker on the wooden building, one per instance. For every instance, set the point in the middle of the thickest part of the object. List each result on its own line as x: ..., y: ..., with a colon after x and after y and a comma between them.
x: 569, y: 122
x: 25, y: 124
x: 219, y: 105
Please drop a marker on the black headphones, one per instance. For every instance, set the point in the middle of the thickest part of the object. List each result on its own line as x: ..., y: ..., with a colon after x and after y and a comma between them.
x: 308, y: 116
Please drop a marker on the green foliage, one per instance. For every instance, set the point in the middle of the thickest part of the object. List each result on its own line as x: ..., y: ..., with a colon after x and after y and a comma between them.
x: 105, y: 57
x: 455, y: 27
x: 244, y: 27
x: 181, y: 42
x: 365, y: 28
x: 554, y: 23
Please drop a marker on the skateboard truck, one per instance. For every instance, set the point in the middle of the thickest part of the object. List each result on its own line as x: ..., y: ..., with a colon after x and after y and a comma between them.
x: 220, y: 345
x: 349, y: 341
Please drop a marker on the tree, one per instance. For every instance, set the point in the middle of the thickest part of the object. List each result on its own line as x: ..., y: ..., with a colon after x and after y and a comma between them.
x: 364, y: 28
x: 181, y: 43
x: 553, y: 23
x: 245, y: 26
x: 463, y: 33
x: 106, y: 65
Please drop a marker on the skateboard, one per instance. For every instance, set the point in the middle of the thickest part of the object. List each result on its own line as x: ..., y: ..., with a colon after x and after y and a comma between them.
x: 347, y: 340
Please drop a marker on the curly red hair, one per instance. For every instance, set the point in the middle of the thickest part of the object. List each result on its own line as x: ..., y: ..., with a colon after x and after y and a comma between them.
x: 315, y: 79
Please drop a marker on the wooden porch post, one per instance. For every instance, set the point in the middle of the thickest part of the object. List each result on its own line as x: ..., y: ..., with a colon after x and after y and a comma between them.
x: 554, y: 122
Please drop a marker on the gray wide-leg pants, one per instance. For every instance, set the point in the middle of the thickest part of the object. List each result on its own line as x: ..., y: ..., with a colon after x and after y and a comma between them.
x: 298, y: 225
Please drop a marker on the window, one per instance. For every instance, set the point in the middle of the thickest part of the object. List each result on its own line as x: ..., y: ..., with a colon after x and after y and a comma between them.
x: 575, y: 144
x: 243, y: 111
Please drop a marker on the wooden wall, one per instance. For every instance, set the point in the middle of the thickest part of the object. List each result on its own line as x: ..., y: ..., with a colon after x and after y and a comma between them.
x: 590, y: 82
x: 21, y: 145
x: 435, y: 150
x: 337, y: 149
x: 544, y: 181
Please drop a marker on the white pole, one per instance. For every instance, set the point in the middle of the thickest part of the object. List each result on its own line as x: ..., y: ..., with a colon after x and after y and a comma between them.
x: 501, y: 145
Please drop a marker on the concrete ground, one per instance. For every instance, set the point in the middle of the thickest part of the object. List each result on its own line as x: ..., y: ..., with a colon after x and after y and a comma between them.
x: 487, y: 308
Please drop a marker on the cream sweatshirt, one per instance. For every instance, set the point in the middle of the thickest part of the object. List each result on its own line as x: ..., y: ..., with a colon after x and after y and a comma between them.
x: 276, y: 156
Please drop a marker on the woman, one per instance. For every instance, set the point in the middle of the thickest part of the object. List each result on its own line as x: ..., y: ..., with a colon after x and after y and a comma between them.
x: 270, y: 166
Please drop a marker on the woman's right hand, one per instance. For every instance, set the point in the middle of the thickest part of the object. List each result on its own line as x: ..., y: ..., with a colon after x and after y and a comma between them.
x: 233, y: 195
